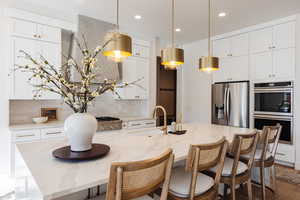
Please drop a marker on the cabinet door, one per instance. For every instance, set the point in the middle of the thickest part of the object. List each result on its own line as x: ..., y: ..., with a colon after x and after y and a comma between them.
x: 20, y: 86
x: 49, y: 34
x: 221, y: 48
x: 128, y: 75
x: 140, y: 51
x: 239, y: 68
x: 222, y: 74
x: 261, y: 40
x: 52, y: 53
x: 261, y: 66
x: 240, y: 45
x: 24, y: 29
x: 284, y: 64
x: 284, y: 35
x: 142, y: 66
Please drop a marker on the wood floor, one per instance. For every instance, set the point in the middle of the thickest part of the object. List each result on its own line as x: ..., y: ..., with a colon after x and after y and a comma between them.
x: 286, y: 191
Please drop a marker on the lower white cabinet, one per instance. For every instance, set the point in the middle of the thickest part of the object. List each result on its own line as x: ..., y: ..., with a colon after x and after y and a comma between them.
x: 285, y: 153
x: 26, y: 135
x: 139, y: 124
x: 52, y: 133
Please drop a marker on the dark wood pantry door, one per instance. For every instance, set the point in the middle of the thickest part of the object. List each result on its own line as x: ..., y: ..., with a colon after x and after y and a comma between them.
x: 166, y: 92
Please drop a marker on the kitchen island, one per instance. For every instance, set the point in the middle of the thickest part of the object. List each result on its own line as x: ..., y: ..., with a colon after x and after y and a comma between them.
x: 56, y: 178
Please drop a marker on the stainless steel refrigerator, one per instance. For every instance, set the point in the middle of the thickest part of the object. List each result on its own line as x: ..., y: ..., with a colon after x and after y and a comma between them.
x: 230, y: 104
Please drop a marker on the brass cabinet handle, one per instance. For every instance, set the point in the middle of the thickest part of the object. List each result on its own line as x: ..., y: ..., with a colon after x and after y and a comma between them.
x: 53, y: 133
x: 22, y: 136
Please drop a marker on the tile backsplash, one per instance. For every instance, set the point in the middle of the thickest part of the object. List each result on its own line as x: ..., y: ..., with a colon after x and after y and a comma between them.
x: 22, y: 111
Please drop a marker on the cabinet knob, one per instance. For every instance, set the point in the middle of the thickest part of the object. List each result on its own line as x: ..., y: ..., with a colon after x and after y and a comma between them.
x: 35, y: 35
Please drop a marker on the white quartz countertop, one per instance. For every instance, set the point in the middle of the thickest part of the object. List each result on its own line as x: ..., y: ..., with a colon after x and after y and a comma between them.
x: 50, y: 124
x: 56, y: 178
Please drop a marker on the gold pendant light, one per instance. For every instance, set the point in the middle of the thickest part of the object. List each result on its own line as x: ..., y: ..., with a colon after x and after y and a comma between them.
x: 172, y: 57
x: 119, y: 46
x: 209, y: 63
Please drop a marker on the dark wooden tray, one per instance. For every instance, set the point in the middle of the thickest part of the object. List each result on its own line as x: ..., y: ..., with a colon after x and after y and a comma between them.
x: 178, y: 132
x: 97, y: 151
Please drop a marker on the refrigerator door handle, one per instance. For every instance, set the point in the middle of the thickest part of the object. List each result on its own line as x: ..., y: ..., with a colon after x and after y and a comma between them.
x: 225, y: 104
x: 228, y: 104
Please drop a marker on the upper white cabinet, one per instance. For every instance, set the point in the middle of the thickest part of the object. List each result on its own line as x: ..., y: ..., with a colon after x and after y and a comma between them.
x: 261, y: 40
x: 231, y: 47
x: 233, y: 54
x: 272, y: 53
x: 35, y: 31
x: 134, y: 69
x: 36, y: 40
x: 277, y: 37
x: 284, y: 36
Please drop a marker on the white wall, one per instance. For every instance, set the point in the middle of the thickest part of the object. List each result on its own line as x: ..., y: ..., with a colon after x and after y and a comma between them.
x: 196, y: 85
x: 297, y: 96
x: 4, y: 134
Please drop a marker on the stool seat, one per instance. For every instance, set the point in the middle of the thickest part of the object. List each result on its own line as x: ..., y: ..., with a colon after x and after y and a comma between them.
x: 242, y: 167
x: 181, y: 180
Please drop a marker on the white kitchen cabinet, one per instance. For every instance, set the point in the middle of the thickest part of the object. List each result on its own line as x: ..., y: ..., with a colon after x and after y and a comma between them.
x: 261, y: 66
x: 284, y: 64
x: 26, y: 135
x: 239, y: 45
x: 232, y: 69
x: 275, y: 65
x: 19, y: 80
x: 261, y: 40
x: 231, y: 47
x: 49, y: 33
x: 133, y: 69
x: 140, y: 51
x: 31, y: 30
x: 52, y: 133
x: 284, y: 35
x: 285, y: 153
x: 221, y: 48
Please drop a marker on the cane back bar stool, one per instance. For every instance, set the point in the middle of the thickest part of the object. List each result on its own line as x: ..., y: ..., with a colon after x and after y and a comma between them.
x: 236, y: 172
x: 265, y: 156
x: 135, y: 180
x: 190, y: 183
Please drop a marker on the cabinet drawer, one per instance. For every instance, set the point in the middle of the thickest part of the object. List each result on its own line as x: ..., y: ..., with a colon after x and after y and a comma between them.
x: 285, y: 153
x: 27, y: 135
x: 149, y: 123
x: 52, y: 133
x: 135, y: 124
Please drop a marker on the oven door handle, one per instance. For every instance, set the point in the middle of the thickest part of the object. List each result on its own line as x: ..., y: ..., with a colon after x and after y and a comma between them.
x: 281, y: 118
x: 273, y: 90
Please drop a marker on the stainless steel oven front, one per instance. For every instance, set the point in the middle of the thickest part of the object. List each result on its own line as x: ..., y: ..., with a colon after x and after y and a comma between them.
x: 287, y: 123
x: 274, y: 99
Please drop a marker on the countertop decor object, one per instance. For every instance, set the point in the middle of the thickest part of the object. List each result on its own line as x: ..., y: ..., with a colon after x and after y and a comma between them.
x: 177, y: 132
x: 80, y: 127
x: 97, y: 151
x: 51, y: 113
x: 40, y: 120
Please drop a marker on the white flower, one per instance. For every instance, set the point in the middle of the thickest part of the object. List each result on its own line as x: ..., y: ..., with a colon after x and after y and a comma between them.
x: 95, y: 94
x: 71, y: 62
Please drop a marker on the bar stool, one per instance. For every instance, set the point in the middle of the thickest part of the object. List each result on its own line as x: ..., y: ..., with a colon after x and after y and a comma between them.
x: 265, y: 156
x: 236, y: 172
x: 189, y: 183
x: 135, y: 180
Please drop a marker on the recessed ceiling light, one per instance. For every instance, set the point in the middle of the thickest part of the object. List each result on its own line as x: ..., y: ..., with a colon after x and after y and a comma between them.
x: 177, y: 29
x: 222, y: 14
x: 137, y: 17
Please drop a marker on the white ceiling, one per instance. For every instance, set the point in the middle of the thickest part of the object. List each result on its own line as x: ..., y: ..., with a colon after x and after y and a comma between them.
x: 191, y: 15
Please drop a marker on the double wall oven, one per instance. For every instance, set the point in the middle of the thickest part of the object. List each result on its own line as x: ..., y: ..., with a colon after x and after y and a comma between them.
x: 274, y: 103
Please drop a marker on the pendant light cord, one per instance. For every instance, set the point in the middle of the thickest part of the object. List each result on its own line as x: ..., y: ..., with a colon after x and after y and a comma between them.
x: 209, y: 28
x: 118, y: 15
x: 173, y: 23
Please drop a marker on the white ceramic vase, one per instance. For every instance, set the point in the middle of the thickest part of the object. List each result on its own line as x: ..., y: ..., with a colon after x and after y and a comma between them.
x: 80, y: 129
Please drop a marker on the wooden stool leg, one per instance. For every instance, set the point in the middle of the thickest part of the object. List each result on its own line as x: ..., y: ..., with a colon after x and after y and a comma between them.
x: 249, y: 188
x: 274, y: 184
x: 262, y: 182
x: 232, y: 189
x: 225, y: 191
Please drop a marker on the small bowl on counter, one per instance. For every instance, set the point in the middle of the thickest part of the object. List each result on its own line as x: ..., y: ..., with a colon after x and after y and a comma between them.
x: 40, y: 120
